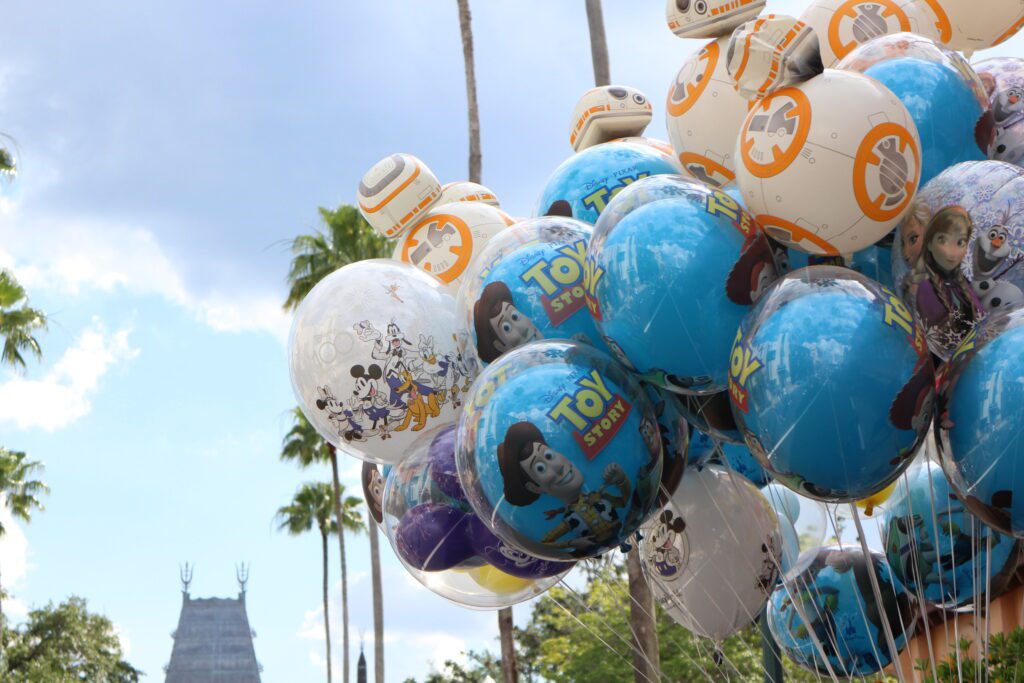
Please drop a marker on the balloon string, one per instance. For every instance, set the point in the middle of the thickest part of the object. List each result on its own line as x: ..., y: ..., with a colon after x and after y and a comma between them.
x: 918, y: 576
x: 873, y: 576
x: 910, y: 618
x: 935, y: 539
x: 988, y: 591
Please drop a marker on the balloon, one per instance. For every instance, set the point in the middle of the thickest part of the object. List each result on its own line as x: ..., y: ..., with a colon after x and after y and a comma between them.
x: 675, y: 439
x: 702, y: 449
x: 395, y: 191
x: 608, y: 112
x: 373, y: 358
x: 558, y: 450
x: 961, y: 26
x: 442, y: 543
x: 829, y: 166
x: 585, y: 182
x: 527, y: 285
x: 1003, y: 128
x: 672, y: 268
x: 933, y: 547
x: 709, y: 18
x: 981, y: 398
x: 448, y: 239
x: 944, y: 96
x: 704, y: 114
x: 833, y: 599
x: 711, y: 555
x: 831, y: 362
x: 772, y: 52
x: 466, y: 191
x: 869, y: 504
x: 843, y: 25
x: 953, y: 283
x: 808, y: 516
x: 373, y: 491
x: 712, y: 415
x: 743, y: 463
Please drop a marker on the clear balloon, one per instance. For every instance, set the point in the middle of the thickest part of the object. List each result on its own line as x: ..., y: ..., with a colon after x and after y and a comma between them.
x: 373, y: 358
x: 442, y: 543
x: 937, y: 548
x: 712, y: 554
x: 831, y: 362
x: 811, y: 518
x: 675, y: 439
x: 981, y: 404
x: 944, y: 96
x: 1002, y: 131
x: 585, y: 182
x: 672, y: 269
x: 832, y: 601
x: 558, y: 450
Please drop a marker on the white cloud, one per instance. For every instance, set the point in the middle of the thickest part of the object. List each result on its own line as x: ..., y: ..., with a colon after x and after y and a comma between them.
x: 64, y: 392
x: 14, y: 561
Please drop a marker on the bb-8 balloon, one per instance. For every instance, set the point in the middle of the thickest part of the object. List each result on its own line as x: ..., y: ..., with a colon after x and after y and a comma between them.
x: 466, y: 191
x: 447, y: 239
x: 831, y: 165
x: 606, y: 113
x: 843, y: 25
x: 395, y: 192
x: 969, y: 25
x: 704, y: 114
x: 709, y: 18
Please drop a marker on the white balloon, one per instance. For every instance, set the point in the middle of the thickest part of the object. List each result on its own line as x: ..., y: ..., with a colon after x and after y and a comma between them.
x: 970, y: 25
x: 373, y: 358
x: 712, y: 554
x: 466, y: 191
x: 395, y: 192
x: 843, y: 25
x: 608, y: 112
x: 709, y: 18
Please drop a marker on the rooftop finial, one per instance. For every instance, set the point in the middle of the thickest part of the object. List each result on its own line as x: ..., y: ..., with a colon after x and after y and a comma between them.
x: 242, y: 574
x: 186, y: 572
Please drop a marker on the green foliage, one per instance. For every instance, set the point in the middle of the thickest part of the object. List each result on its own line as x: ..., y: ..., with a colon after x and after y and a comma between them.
x: 7, y: 165
x: 1005, y: 654
x: 303, y: 443
x: 344, y: 238
x: 351, y: 517
x: 67, y: 643
x: 311, y: 507
x: 21, y: 493
x: 18, y: 322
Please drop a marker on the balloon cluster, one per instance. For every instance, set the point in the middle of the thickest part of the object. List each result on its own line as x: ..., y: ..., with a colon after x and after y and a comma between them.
x: 761, y: 301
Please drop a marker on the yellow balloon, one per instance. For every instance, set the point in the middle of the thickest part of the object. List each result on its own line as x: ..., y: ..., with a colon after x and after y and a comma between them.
x: 868, y: 504
x: 497, y: 581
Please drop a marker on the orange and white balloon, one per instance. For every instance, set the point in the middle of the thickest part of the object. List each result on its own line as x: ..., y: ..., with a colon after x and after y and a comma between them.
x: 969, y: 25
x: 831, y: 165
x: 466, y: 191
x: 843, y: 25
x: 606, y: 113
x: 709, y: 18
x: 395, y: 192
x: 772, y: 52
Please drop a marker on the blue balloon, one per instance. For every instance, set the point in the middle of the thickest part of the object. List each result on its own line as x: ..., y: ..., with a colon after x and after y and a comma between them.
x: 583, y: 185
x: 831, y: 384
x: 934, y: 551
x: 942, y: 105
x: 711, y: 414
x: 835, y: 595
x: 702, y: 449
x: 874, y: 261
x: 742, y: 462
x: 558, y: 450
x: 672, y: 269
x: 674, y: 431
x: 981, y: 408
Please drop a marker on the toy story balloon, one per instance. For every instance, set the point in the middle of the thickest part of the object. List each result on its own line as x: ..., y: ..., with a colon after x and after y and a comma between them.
x: 558, y: 450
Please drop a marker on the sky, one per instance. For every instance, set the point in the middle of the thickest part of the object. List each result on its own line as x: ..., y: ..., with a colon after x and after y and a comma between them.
x: 168, y: 153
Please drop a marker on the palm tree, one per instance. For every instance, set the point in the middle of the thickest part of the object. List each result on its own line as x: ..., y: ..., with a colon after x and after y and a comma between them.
x: 8, y: 166
x: 598, y: 43
x: 20, y: 494
x: 349, y: 519
x: 18, y: 322
x: 311, y: 506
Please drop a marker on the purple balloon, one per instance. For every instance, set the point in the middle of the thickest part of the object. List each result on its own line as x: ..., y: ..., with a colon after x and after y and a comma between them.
x: 510, y: 560
x: 433, y: 537
x: 441, y: 457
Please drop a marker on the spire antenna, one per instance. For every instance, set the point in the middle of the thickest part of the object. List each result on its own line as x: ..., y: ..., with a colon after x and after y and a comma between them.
x: 185, y: 572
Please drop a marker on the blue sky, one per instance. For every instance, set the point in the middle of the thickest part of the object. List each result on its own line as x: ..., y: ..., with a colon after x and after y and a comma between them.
x: 167, y: 150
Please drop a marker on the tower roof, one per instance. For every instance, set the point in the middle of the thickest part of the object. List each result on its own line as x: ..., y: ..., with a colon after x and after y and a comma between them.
x: 213, y: 643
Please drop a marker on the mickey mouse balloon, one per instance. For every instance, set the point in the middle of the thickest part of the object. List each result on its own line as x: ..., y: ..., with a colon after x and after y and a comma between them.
x: 373, y: 358
x: 558, y: 450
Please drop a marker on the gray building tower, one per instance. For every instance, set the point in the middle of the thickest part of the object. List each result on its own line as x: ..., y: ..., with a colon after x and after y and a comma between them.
x: 213, y: 641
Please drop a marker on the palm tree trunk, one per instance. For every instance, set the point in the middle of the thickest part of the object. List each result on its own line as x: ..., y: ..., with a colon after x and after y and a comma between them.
x: 378, y: 604
x: 475, y: 157
x: 3, y: 633
x: 641, y: 619
x: 509, y: 672
x: 327, y: 618
x: 336, y: 482
x: 598, y: 43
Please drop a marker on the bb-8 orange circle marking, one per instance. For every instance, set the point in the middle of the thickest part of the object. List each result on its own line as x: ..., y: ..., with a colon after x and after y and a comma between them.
x: 868, y: 157
x: 773, y: 225
x: 713, y: 167
x: 848, y: 11
x: 759, y: 120
x: 709, y: 55
x: 462, y: 247
x: 1012, y: 31
x: 942, y: 24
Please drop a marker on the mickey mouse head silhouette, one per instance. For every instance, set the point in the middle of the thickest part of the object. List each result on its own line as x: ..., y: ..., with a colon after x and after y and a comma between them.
x: 365, y: 380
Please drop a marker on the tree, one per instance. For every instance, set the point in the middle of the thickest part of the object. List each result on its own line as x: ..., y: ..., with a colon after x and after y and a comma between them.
x: 1005, y: 653
x: 348, y: 519
x: 67, y: 643
x: 312, y: 507
x: 21, y: 494
x: 18, y: 322
x: 346, y: 238
x: 598, y: 43
x: 466, y: 28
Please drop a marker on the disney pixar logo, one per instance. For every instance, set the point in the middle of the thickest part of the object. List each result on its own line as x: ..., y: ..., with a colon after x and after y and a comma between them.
x: 594, y: 412
x: 599, y: 198
x: 742, y: 364
x: 561, y: 280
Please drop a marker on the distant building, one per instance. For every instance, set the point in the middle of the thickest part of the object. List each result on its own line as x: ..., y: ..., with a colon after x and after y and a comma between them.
x: 213, y: 641
x: 361, y: 666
